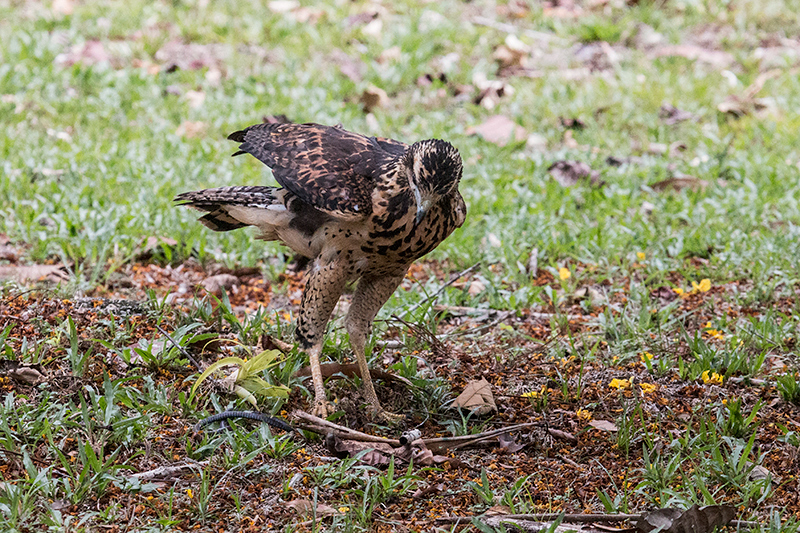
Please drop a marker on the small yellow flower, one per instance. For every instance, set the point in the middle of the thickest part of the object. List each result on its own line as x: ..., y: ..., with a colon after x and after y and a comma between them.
x: 641, y: 256
x: 583, y: 414
x: 678, y: 291
x: 711, y: 377
x: 646, y: 356
x: 564, y: 273
x: 703, y: 286
x: 343, y: 509
x: 536, y: 394
x: 620, y: 384
x: 648, y: 388
x: 189, y: 493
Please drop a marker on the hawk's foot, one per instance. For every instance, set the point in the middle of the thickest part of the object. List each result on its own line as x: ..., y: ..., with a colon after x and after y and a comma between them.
x: 322, y: 408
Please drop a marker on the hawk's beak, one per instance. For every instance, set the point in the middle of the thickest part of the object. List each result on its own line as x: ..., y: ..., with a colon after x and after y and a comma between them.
x: 422, y: 208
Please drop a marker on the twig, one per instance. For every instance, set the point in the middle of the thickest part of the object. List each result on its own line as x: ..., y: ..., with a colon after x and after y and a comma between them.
x: 510, y: 28
x: 441, y: 289
x: 568, y: 461
x: 165, y: 472
x: 421, y: 331
x: 31, y: 457
x: 321, y: 426
x: 179, y: 347
x: 454, y: 443
x: 548, y: 517
x: 575, y: 518
x: 458, y: 310
x: 268, y: 342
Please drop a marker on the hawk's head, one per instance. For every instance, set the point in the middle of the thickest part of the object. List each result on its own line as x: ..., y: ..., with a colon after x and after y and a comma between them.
x: 434, y: 170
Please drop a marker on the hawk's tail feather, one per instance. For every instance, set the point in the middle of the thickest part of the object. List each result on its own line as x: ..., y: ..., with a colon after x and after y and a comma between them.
x: 218, y: 204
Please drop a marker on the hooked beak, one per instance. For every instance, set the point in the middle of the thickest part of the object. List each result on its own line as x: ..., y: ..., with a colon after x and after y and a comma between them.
x: 422, y: 208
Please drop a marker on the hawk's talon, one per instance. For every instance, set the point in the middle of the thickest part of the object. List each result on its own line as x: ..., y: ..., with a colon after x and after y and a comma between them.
x: 323, y: 409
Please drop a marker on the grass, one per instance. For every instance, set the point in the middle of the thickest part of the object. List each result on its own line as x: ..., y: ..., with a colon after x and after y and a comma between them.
x: 98, y: 134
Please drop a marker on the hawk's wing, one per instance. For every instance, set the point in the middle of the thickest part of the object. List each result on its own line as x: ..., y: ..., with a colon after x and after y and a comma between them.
x: 330, y: 168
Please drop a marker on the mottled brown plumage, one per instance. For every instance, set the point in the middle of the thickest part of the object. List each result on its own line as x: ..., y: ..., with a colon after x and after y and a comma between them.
x: 364, y: 208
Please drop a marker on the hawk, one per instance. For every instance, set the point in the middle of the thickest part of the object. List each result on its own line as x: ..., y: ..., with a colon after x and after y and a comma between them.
x: 362, y: 208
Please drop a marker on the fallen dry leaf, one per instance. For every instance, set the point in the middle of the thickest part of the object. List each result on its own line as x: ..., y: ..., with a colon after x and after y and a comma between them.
x: 276, y: 119
x: 598, y: 56
x: 617, y: 161
x: 88, y: 53
x: 63, y: 7
x: 192, y: 56
x: 283, y: 6
x: 476, y: 287
x: 695, y: 519
x: 509, y: 443
x: 500, y: 130
x: 669, y: 114
x: 477, y: 398
x: 537, y: 142
x: 216, y: 284
x: 646, y: 37
x: 747, y: 103
x: 191, y: 129
x: 22, y: 372
x: 679, y: 182
x: 562, y: 435
x: 306, y: 508
x: 427, y: 79
x: 759, y: 472
x: 604, y: 425
x: 24, y: 273
x: 594, y: 296
x: 498, y: 510
x: 569, y: 173
x: 715, y: 58
x: 359, y: 19
x: 195, y: 98
x: 490, y: 92
x: 9, y: 253
x: 374, y: 453
x: 512, y: 54
x: 430, y: 489
x: 373, y: 97
x: 672, y: 150
x: 373, y: 29
x: 154, y: 245
x: 739, y: 106
x: 572, y: 123
x: 393, y: 53
x: 351, y: 67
